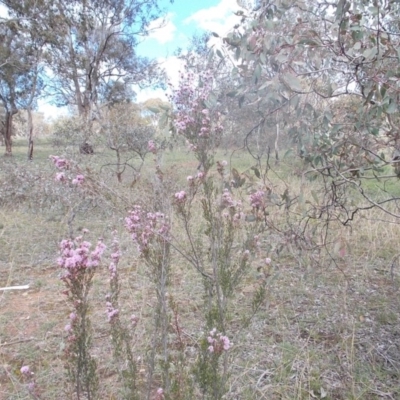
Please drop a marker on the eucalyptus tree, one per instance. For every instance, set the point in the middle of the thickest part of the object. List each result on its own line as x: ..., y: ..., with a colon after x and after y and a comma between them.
x: 91, y: 49
x: 20, y: 82
x: 331, y: 70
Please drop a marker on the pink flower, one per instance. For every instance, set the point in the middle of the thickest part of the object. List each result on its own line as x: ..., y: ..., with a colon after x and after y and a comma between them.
x: 159, y: 394
x: 134, y: 320
x: 60, y: 163
x: 146, y: 227
x: 78, y: 180
x: 218, y: 342
x: 226, y: 344
x: 152, y: 146
x: 60, y: 177
x: 72, y: 316
x: 226, y: 200
x: 180, y: 196
x: 25, y: 370
x: 257, y: 199
x: 267, y: 261
x: 200, y: 175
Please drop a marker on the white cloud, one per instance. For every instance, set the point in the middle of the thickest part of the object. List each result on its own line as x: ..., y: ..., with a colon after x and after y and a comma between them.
x: 219, y: 18
x: 163, y: 29
x: 4, y: 12
x: 50, y: 111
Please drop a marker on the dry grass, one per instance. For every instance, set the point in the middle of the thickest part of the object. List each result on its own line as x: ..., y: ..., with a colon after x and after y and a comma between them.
x: 329, y: 329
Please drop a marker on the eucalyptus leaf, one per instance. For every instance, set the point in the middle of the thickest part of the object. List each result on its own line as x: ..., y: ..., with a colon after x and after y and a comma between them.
x: 293, y: 82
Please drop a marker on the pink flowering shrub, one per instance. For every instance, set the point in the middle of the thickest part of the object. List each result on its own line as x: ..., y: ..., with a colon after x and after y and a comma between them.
x: 60, y: 163
x: 66, y: 175
x: 151, y: 232
x: 121, y: 336
x: 218, y: 342
x: 257, y: 200
x: 75, y: 256
x: 147, y: 229
x: 79, y: 263
x: 195, y: 115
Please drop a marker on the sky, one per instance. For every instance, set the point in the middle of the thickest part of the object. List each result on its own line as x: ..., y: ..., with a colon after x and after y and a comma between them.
x: 183, y: 18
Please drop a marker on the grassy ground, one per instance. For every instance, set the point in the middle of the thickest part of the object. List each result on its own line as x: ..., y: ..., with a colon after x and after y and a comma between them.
x: 329, y: 328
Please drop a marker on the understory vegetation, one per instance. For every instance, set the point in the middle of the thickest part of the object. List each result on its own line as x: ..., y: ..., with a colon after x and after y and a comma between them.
x: 236, y: 240
x: 312, y: 316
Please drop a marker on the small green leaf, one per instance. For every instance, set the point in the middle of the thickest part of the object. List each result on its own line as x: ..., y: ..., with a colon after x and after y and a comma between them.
x: 233, y: 93
x: 314, y: 196
x: 257, y: 74
x: 371, y: 53
x: 256, y: 172
x: 392, y: 108
x: 154, y: 110
x: 293, y: 82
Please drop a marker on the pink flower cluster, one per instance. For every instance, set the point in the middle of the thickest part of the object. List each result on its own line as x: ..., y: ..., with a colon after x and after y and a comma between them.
x: 257, y: 200
x: 180, y: 197
x: 218, y: 342
x: 198, y: 178
x: 76, y: 254
x: 115, y: 256
x: 60, y: 177
x: 29, y: 377
x: 26, y: 371
x: 235, y: 209
x: 226, y: 200
x: 63, y: 165
x: 112, y: 313
x: 78, y: 180
x: 152, y: 146
x: 147, y: 227
x: 192, y: 118
x: 72, y: 318
x: 159, y: 394
x: 60, y: 163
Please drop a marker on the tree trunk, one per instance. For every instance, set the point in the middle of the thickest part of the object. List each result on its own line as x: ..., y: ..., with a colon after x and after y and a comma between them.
x: 276, y: 144
x: 2, y: 132
x: 30, y: 134
x: 8, y: 132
